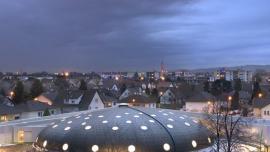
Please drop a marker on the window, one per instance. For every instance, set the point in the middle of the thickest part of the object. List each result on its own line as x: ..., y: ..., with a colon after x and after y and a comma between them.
x: 268, y: 113
x: 264, y: 112
x: 52, y: 112
x: 40, y: 114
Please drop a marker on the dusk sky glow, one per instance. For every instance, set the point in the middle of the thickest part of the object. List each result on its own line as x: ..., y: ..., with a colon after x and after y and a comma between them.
x: 111, y: 35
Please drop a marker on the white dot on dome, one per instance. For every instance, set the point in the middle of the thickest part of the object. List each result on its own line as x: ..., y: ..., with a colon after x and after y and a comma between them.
x: 128, y: 121
x: 170, y: 119
x: 54, y: 126
x: 52, y: 123
x: 152, y: 121
x: 65, y: 147
x: 67, y: 128
x: 118, y: 116
x: 87, y: 127
x: 195, y: 121
x: 78, y: 117
x: 182, y: 117
x: 136, y: 116
x: 165, y: 114
x: 90, y: 115
x: 101, y: 116
x: 166, y: 147
x: 171, y: 113
x: 69, y: 122
x: 45, y: 143
x: 170, y: 126
x: 83, y: 124
x: 194, y: 144
x: 126, y: 113
x: 105, y: 121
x: 131, y: 148
x: 115, y: 128
x: 86, y: 118
x: 144, y: 127
x: 95, y: 148
x: 140, y: 113
x: 63, y: 120
x: 187, y: 124
x: 153, y: 115
x: 209, y: 140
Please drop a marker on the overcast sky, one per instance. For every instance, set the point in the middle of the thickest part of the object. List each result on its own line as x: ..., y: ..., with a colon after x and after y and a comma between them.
x: 111, y: 35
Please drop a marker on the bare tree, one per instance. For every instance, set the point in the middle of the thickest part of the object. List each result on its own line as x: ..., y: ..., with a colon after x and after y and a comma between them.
x: 228, y: 129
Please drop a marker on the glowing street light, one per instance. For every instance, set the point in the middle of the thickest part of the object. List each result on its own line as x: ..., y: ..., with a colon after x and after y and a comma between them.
x: 116, y: 78
x: 162, y: 78
x: 230, y: 98
x: 12, y: 93
x: 66, y: 74
x: 260, y: 95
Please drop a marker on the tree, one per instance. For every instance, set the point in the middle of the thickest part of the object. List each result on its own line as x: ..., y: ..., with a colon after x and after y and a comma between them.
x: 123, y: 88
x: 46, y: 112
x: 83, y: 85
x: 18, y: 93
x: 220, y: 86
x: 228, y: 129
x: 235, y: 101
x: 206, y: 86
x: 61, y: 83
x: 154, y: 92
x: 36, y: 88
x: 147, y: 90
x: 237, y: 85
x: 136, y: 76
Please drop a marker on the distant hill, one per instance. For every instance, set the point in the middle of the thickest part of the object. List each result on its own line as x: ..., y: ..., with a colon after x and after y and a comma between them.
x: 244, y: 67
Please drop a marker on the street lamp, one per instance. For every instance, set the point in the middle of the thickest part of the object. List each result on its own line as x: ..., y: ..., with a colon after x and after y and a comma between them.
x: 230, y: 98
x: 260, y: 95
x: 66, y: 74
x: 11, y: 93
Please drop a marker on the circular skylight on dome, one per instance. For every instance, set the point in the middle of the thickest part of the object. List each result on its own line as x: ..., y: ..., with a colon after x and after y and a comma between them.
x: 194, y: 144
x: 128, y: 121
x: 87, y: 127
x: 115, y: 128
x: 65, y: 147
x: 105, y: 121
x: 54, y: 126
x: 170, y: 126
x: 144, y: 127
x: 100, y: 116
x: 67, y: 128
x: 187, y: 124
x: 152, y: 121
x: 166, y: 147
x: 118, y: 116
x: 131, y: 148
x: 95, y: 148
x: 83, y: 124
x: 45, y: 143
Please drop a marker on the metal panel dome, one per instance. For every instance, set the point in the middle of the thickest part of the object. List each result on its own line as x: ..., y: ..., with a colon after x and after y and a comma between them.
x: 125, y: 129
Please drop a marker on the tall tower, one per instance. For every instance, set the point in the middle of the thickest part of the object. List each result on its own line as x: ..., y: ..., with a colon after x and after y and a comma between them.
x: 162, y: 70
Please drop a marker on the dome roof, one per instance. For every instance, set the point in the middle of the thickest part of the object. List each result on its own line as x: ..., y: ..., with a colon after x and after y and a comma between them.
x: 126, y: 129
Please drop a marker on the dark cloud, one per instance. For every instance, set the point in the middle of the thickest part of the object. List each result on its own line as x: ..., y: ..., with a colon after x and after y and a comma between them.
x: 86, y: 35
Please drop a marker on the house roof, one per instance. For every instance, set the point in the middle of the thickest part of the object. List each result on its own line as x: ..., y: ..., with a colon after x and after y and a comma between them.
x: 138, y: 99
x: 261, y: 102
x: 201, y: 97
